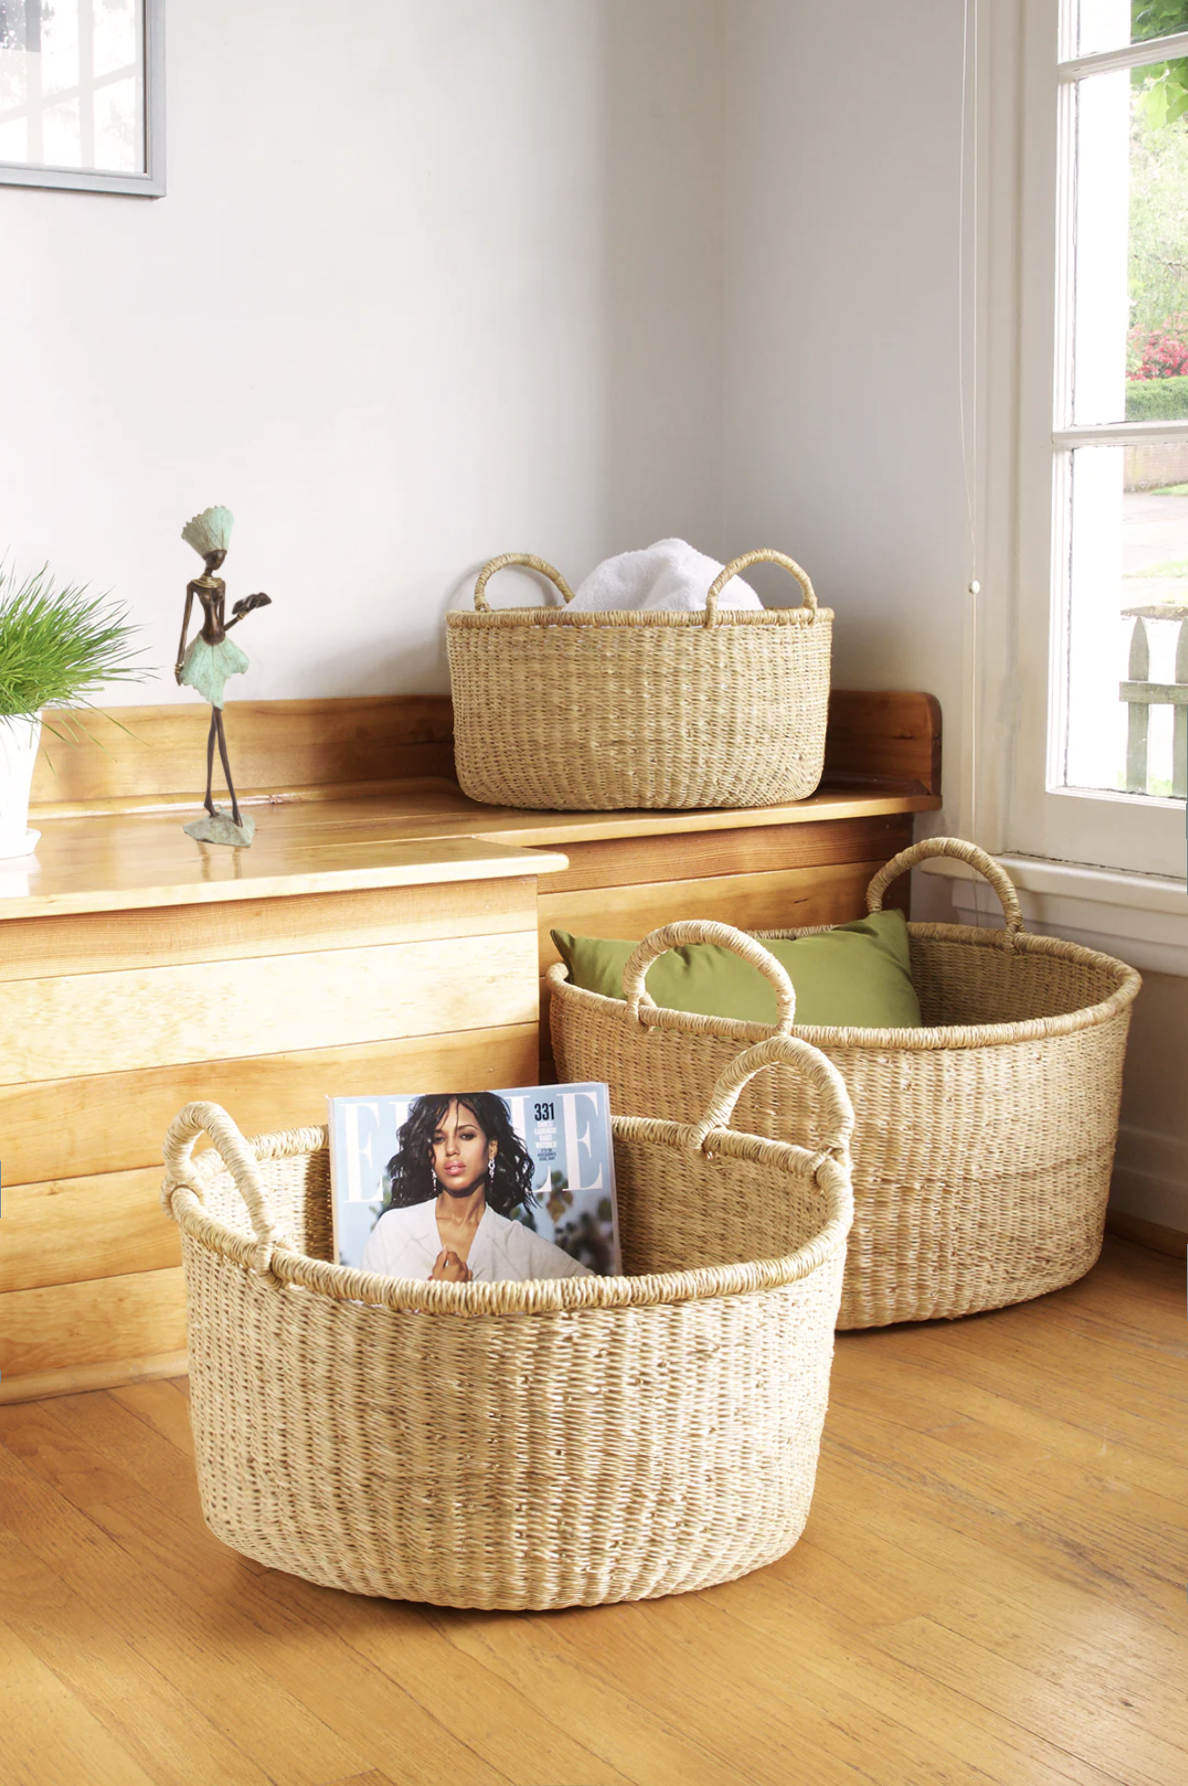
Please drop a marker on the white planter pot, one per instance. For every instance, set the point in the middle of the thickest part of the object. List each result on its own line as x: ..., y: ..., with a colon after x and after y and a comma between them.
x: 19, y: 738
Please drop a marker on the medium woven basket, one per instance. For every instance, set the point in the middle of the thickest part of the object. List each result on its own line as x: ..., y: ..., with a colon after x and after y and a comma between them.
x: 544, y: 1444
x: 594, y: 711
x: 983, y: 1142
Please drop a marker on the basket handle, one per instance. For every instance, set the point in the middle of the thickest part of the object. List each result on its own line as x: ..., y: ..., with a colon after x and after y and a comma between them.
x: 765, y: 555
x: 969, y: 853
x: 703, y: 930
x: 528, y: 558
x: 788, y: 1051
x: 236, y: 1155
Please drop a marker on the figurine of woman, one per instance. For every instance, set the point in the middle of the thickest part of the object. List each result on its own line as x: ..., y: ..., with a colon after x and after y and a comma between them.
x: 210, y: 659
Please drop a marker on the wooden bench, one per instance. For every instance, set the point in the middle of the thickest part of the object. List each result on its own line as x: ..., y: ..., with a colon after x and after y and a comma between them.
x: 383, y: 932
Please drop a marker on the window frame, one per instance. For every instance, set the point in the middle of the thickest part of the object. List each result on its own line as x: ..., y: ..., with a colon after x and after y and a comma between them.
x: 1018, y: 629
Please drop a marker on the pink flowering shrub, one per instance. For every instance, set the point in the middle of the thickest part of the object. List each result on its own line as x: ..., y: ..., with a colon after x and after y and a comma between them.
x: 1161, y: 354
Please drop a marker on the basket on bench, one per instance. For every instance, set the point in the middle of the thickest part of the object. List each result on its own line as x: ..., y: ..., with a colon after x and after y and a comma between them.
x: 983, y: 1142
x: 591, y: 711
x: 543, y: 1444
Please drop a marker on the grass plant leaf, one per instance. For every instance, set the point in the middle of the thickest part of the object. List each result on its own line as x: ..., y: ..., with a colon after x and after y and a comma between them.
x: 59, y: 646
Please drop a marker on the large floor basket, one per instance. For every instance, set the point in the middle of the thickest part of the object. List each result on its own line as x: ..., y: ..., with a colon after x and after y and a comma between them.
x: 589, y: 711
x: 983, y: 1142
x: 543, y: 1444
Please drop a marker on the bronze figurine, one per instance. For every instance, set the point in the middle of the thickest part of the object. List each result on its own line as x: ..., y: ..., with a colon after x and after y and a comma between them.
x: 208, y: 662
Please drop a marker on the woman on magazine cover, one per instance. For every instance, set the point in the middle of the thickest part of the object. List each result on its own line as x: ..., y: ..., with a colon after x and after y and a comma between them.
x: 460, y: 1171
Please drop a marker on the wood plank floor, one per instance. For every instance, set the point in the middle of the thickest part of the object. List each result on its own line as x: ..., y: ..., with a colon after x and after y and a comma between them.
x: 991, y: 1588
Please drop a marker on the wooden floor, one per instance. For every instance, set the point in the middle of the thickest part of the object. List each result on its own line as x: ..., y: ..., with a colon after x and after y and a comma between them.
x: 991, y: 1588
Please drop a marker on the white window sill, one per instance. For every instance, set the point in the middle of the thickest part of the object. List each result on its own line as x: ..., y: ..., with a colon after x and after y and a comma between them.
x: 1140, y: 918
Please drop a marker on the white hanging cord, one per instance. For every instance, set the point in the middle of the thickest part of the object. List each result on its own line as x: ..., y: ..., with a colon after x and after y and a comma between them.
x: 967, y: 376
x: 967, y: 211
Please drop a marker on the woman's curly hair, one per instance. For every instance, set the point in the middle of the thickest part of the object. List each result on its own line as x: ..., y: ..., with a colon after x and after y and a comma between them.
x: 409, y: 1177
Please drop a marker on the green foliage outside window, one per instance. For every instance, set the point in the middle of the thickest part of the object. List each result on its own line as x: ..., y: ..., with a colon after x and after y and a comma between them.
x: 1158, y: 230
x: 1157, y: 400
x: 1163, y: 87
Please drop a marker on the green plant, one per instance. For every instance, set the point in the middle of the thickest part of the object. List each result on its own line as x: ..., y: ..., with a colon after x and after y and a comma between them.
x: 58, y: 646
x: 1164, y: 85
x: 1158, y: 261
x: 1157, y: 399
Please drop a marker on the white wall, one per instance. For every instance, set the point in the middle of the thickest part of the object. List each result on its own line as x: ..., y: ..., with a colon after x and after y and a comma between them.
x: 1151, y: 1176
x: 841, y: 324
x: 431, y: 281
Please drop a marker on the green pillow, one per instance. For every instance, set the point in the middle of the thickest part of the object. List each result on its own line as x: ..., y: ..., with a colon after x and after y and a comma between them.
x: 856, y: 975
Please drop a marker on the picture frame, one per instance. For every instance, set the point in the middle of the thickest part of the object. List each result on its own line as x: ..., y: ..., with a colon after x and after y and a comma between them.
x: 82, y: 95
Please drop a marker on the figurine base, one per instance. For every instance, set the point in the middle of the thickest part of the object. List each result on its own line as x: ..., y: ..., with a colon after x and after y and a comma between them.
x: 221, y: 828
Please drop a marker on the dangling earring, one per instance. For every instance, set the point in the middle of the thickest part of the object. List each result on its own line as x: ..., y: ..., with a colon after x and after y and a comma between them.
x: 491, y: 1168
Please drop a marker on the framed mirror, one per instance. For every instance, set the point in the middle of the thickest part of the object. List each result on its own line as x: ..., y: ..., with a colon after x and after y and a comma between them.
x: 82, y: 95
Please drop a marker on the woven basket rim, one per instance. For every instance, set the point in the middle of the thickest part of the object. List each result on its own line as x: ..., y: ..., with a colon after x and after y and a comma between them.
x: 919, y: 1041
x: 537, y: 1296
x: 628, y: 618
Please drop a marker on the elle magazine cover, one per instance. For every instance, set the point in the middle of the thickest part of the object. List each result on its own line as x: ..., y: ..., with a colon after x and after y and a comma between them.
x: 472, y: 1187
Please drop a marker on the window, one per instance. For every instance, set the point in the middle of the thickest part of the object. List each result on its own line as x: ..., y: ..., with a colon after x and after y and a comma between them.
x: 1099, y: 508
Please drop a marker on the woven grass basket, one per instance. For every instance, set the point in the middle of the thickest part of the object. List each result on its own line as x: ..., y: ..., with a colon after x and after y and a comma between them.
x: 597, y: 711
x: 520, y: 1445
x: 983, y: 1142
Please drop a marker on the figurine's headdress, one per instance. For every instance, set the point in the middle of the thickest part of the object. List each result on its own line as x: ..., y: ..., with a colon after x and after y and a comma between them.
x: 210, y: 531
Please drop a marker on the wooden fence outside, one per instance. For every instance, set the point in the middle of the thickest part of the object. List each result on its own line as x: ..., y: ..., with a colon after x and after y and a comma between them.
x: 1142, y: 694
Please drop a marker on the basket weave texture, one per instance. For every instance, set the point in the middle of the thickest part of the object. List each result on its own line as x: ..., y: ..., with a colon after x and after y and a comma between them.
x: 533, y: 1445
x: 983, y: 1142
x: 611, y: 711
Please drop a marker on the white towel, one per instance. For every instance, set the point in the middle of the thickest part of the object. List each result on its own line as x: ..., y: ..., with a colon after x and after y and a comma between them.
x: 670, y: 574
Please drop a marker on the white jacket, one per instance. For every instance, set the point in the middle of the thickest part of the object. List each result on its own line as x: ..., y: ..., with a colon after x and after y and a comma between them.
x: 405, y: 1243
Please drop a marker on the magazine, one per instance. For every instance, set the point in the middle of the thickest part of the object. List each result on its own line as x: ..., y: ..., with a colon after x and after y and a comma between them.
x: 475, y: 1186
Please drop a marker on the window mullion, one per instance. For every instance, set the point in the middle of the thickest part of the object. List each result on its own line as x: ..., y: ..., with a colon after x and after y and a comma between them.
x: 1117, y: 433
x: 1064, y: 362
x: 1152, y: 50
